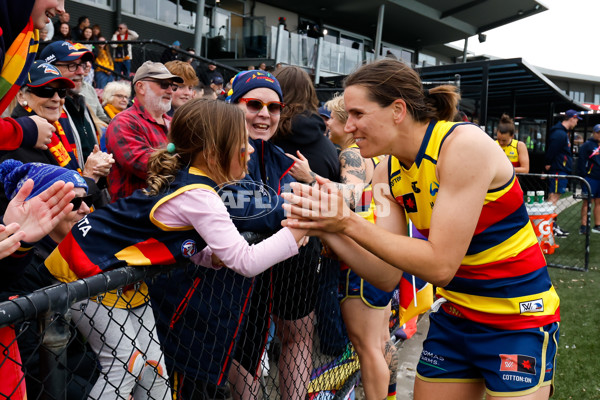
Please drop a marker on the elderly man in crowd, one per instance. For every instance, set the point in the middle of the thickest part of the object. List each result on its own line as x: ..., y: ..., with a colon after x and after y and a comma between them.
x: 135, y: 133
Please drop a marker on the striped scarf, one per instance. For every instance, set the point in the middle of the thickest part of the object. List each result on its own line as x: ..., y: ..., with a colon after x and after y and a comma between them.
x: 17, y: 61
x: 59, y: 147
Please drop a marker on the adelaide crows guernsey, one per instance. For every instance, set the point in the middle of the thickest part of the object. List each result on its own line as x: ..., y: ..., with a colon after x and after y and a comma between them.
x: 503, y: 280
x: 126, y: 233
x: 512, y: 152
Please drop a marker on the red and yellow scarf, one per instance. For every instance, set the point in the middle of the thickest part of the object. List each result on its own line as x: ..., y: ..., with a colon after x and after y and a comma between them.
x: 59, y: 146
x: 17, y: 61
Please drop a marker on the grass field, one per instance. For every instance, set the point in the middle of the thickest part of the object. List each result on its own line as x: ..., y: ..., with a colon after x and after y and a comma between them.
x: 578, y: 361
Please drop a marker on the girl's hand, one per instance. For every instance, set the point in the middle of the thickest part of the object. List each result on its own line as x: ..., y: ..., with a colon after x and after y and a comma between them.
x: 301, y: 169
x: 216, y: 261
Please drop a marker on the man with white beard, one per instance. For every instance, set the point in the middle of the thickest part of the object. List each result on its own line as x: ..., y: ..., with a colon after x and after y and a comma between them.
x: 135, y: 133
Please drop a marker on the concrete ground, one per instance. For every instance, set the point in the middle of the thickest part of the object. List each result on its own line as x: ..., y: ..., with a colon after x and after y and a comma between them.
x: 409, y: 352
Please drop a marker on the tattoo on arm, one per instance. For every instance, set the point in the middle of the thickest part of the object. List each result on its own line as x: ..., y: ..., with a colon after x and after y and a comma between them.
x: 353, y: 164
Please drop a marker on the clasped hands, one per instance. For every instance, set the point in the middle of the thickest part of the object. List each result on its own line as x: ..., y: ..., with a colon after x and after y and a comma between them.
x: 319, y: 208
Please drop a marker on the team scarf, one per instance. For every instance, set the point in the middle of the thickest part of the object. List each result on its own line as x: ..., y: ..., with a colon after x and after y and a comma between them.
x: 17, y: 61
x: 111, y: 110
x: 59, y: 147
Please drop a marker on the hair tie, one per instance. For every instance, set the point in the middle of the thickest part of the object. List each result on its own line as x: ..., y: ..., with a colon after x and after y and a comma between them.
x: 426, y: 92
x: 171, y: 148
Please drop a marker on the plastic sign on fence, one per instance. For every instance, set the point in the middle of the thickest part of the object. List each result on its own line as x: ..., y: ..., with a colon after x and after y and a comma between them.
x: 542, y: 217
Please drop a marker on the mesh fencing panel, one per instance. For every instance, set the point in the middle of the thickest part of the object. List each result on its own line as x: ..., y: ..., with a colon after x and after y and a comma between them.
x: 566, y: 247
x: 200, y: 334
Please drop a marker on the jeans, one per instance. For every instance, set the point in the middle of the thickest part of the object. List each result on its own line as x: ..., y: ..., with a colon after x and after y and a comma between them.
x: 123, y: 67
x: 102, y: 78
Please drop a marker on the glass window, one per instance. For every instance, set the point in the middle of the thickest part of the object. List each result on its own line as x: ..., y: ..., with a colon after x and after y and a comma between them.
x: 127, y: 6
x: 146, y: 8
x: 426, y: 60
x: 106, y: 3
x: 167, y: 11
x: 187, y: 16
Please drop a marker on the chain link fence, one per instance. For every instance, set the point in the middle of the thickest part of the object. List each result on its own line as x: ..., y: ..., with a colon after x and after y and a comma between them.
x: 200, y: 334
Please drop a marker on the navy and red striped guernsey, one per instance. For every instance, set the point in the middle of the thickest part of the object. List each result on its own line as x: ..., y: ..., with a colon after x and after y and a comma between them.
x: 503, y: 279
x: 126, y: 233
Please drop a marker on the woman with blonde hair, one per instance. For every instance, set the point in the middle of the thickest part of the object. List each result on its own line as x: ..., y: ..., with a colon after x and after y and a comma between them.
x: 365, y: 308
x: 115, y: 97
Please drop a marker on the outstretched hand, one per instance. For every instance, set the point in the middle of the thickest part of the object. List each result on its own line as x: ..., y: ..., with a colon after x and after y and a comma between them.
x: 39, y: 215
x: 317, y: 208
x: 301, y: 169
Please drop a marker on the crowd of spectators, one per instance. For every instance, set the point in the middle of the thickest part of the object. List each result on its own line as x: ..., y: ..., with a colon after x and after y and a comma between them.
x: 85, y: 127
x: 83, y: 133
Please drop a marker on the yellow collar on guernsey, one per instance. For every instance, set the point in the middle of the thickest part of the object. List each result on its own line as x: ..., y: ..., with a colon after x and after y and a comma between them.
x: 193, y: 171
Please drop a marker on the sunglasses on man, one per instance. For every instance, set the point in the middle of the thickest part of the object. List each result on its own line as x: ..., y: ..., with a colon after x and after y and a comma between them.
x: 164, y: 85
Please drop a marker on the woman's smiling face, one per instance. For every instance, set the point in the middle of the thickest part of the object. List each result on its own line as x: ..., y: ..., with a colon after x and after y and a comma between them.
x: 261, y: 125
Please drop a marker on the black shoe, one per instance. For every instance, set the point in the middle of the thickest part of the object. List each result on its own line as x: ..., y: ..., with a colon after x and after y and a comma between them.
x: 558, y: 232
x: 583, y: 230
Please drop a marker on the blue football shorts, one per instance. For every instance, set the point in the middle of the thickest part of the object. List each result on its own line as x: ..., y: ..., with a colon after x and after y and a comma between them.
x: 352, y: 286
x: 594, y: 185
x: 509, y: 362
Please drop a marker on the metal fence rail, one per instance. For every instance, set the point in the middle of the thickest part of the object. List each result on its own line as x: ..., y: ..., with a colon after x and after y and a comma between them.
x: 193, y: 318
x: 572, y: 251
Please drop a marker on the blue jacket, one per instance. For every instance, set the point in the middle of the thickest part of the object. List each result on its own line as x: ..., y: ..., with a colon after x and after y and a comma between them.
x: 558, y: 154
x: 589, y: 159
x: 206, y: 311
x: 259, y: 206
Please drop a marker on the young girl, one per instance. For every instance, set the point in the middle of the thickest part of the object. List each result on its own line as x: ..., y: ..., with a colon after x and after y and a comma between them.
x: 179, y: 214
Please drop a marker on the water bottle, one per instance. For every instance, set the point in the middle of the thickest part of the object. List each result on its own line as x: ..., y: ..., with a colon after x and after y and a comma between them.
x: 539, y: 196
x: 530, y: 197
